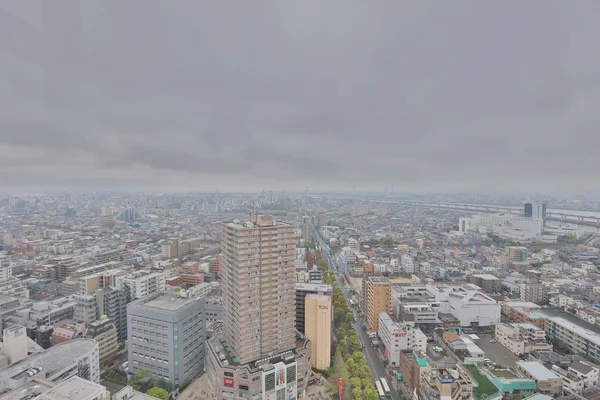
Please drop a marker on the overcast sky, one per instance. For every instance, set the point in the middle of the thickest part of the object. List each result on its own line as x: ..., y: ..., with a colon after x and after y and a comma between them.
x: 246, y: 95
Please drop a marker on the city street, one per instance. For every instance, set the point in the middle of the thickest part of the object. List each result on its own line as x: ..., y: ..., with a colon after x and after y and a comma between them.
x: 375, y: 365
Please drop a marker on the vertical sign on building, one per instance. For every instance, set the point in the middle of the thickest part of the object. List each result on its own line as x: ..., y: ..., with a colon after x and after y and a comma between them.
x: 340, y: 387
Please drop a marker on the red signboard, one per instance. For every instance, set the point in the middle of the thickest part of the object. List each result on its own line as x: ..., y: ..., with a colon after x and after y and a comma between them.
x: 340, y: 387
x: 398, y: 334
x: 227, y: 381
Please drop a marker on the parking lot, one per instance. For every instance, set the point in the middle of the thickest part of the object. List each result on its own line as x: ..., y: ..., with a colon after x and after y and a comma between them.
x: 495, y: 351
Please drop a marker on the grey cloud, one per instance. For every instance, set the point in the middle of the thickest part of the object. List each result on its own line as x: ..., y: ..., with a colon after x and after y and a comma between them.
x: 277, y: 94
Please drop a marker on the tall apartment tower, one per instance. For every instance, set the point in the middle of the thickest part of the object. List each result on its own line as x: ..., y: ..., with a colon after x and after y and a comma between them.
x: 258, y: 287
x: 258, y: 354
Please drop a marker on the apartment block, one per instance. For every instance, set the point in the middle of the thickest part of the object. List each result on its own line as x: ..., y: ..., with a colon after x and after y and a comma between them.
x: 535, y: 293
x: 139, y: 284
x: 166, y: 337
x: 578, y: 338
x: 317, y: 328
x: 487, y: 282
x: 258, y: 287
x: 376, y: 298
x: 522, y: 338
x: 104, y: 332
x: 259, y: 355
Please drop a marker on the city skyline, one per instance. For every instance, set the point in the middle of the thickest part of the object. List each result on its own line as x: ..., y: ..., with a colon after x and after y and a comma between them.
x: 137, y: 95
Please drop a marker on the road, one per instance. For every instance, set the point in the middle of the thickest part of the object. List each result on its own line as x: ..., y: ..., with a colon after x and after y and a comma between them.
x: 375, y: 365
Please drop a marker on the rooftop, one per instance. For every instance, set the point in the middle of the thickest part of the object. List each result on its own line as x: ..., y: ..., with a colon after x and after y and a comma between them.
x: 537, y: 370
x: 313, y: 287
x: 75, y: 388
x: 163, y: 302
x: 52, y: 361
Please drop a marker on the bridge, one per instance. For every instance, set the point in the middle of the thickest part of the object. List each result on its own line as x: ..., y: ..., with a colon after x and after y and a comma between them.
x: 552, y: 215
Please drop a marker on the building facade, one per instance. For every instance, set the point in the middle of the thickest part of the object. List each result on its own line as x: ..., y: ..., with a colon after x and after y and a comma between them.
x: 258, y: 287
x: 318, y: 327
x: 259, y: 354
x: 166, y: 336
x: 397, y: 337
x: 376, y: 298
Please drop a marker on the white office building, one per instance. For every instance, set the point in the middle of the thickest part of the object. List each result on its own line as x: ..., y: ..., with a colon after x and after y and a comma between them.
x: 466, y: 303
x: 396, y: 336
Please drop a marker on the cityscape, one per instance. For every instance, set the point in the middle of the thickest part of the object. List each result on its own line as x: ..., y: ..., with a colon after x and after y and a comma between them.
x: 296, y: 295
x: 310, y: 200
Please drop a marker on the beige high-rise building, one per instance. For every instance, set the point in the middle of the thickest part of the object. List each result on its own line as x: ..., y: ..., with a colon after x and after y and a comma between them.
x: 258, y: 287
x: 317, y: 328
x: 376, y: 298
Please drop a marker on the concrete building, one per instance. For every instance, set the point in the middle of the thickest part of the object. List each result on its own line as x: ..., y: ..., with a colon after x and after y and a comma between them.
x: 522, y: 338
x: 466, y: 303
x: 446, y: 383
x: 536, y: 209
x: 548, y: 382
x: 67, y: 330
x: 376, y: 298
x: 78, y: 357
x: 49, y: 313
x: 317, y: 328
x: 514, y: 254
x: 578, y: 339
x: 142, y: 283
x: 535, y: 293
x: 487, y: 282
x: 586, y: 371
x: 258, y: 293
x: 104, y: 332
x: 166, y: 336
x: 303, y: 290
x: 86, y: 308
x: 412, y: 367
x: 77, y: 387
x: 407, y: 264
x: 397, y: 337
x: 258, y: 355
x: 114, y: 301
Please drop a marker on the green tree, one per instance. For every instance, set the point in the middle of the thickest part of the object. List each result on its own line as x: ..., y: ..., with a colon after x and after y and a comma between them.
x: 161, y: 383
x: 353, y: 344
x: 350, y: 318
x: 341, y: 333
x: 141, y: 380
x: 355, y: 381
x: 364, y: 372
x: 357, y: 392
x: 365, y: 384
x: 370, y: 393
x: 159, y: 393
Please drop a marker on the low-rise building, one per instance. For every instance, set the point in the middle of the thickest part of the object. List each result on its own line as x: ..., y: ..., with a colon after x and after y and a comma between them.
x: 412, y: 366
x: 78, y: 357
x: 446, y: 383
x: 547, y: 381
x: 76, y: 387
x: 522, y: 338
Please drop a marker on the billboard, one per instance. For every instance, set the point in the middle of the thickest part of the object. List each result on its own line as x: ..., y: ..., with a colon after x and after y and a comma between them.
x: 340, y: 387
x: 227, y: 381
